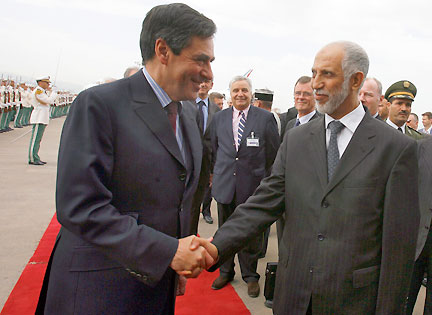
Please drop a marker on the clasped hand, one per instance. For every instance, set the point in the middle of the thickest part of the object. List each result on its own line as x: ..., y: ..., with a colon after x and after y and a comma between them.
x: 193, y: 255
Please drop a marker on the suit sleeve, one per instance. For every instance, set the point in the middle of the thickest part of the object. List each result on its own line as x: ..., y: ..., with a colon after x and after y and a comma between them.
x: 400, y: 227
x: 259, y: 211
x: 84, y: 200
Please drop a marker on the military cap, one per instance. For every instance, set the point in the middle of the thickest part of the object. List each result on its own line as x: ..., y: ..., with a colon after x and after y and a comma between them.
x: 44, y: 79
x: 264, y: 95
x: 401, y: 89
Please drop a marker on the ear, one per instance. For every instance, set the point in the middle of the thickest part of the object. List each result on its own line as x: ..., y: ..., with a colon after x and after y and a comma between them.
x: 356, y: 80
x: 381, y: 98
x: 162, y: 51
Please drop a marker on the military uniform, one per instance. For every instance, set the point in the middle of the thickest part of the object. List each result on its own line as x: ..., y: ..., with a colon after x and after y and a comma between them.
x: 40, y: 119
x: 403, y: 90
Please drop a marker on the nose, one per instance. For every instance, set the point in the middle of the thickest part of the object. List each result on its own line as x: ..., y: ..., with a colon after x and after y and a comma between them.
x: 361, y: 97
x: 207, y: 72
x: 317, y: 83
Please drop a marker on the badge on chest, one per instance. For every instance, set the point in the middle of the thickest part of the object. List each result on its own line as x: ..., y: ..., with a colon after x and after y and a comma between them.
x: 252, y: 141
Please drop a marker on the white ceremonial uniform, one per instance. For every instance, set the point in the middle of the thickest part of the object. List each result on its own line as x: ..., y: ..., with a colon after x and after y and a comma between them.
x: 41, y: 102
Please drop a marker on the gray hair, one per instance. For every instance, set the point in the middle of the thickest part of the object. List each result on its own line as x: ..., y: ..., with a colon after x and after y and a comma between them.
x: 240, y: 78
x: 129, y: 70
x: 355, y: 59
x: 378, y: 83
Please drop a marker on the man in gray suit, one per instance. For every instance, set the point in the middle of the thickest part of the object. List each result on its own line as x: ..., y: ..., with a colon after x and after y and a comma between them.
x: 347, y: 186
x: 424, y: 242
x: 245, y: 140
x: 203, y: 110
x: 128, y: 166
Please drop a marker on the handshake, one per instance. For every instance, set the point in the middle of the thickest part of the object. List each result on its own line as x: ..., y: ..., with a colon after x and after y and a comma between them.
x: 194, y: 254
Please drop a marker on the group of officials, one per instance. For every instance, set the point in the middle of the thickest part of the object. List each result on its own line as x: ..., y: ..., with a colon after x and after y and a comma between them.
x: 135, y: 160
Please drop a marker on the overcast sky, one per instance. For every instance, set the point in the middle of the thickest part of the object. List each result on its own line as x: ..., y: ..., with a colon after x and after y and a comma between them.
x: 83, y: 41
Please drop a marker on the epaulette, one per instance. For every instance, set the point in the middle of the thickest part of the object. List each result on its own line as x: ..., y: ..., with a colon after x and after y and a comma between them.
x: 38, y: 91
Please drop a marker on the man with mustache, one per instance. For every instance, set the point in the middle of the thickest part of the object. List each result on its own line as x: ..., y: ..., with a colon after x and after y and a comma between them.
x: 401, y: 95
x: 346, y: 184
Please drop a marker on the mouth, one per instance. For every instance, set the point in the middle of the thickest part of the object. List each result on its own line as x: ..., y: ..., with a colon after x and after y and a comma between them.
x: 320, y: 95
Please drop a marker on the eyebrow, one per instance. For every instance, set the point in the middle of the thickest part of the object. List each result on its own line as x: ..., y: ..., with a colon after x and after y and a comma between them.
x: 204, y: 57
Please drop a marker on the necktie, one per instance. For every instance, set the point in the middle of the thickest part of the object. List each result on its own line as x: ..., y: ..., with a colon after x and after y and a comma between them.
x: 172, y: 109
x: 241, y: 127
x: 297, y: 123
x: 400, y: 129
x: 332, y: 150
x: 201, y: 116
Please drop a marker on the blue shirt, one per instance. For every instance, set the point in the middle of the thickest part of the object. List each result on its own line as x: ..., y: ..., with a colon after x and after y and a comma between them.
x: 164, y: 99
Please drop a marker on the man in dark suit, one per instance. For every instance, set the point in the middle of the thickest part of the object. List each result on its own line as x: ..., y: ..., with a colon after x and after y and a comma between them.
x: 348, y: 188
x: 204, y: 111
x: 371, y: 96
x: 304, y: 102
x: 245, y: 140
x: 128, y: 166
x: 291, y: 113
x: 424, y: 242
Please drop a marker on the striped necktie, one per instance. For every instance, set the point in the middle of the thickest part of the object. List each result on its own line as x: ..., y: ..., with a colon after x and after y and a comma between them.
x: 241, y: 127
x: 297, y: 123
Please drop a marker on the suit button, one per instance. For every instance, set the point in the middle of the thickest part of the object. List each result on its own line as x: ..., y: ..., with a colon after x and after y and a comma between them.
x: 325, y: 204
x: 234, y: 174
x: 182, y: 177
x: 311, y: 270
x: 426, y: 227
x: 320, y: 237
x: 236, y: 159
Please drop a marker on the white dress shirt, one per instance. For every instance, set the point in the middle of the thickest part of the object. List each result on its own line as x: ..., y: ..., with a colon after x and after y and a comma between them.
x: 351, y: 122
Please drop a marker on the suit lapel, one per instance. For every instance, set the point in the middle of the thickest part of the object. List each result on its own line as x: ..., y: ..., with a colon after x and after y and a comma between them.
x: 361, y: 144
x: 193, y: 137
x: 227, y: 117
x: 148, y: 108
x: 318, y: 151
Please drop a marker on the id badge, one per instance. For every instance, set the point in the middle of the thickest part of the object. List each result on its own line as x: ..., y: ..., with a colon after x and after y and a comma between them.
x: 252, y: 141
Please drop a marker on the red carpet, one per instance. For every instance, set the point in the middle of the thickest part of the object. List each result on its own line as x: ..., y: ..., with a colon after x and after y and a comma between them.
x: 23, y: 298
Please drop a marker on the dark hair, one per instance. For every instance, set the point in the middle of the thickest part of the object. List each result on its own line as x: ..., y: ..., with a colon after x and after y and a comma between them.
x: 428, y: 114
x: 176, y: 23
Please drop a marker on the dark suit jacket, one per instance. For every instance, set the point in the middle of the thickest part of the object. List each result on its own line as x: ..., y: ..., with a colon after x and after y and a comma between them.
x: 206, y: 160
x: 123, y: 197
x: 292, y: 122
x: 285, y: 118
x: 349, y: 244
x: 425, y: 191
x: 240, y: 172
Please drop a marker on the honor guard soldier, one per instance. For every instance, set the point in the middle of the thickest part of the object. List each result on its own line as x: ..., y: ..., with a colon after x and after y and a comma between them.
x: 401, y: 95
x: 39, y: 117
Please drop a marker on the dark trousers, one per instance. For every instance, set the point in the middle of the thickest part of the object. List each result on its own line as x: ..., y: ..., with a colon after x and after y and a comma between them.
x: 207, y: 201
x: 248, y: 256
x: 423, y: 264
